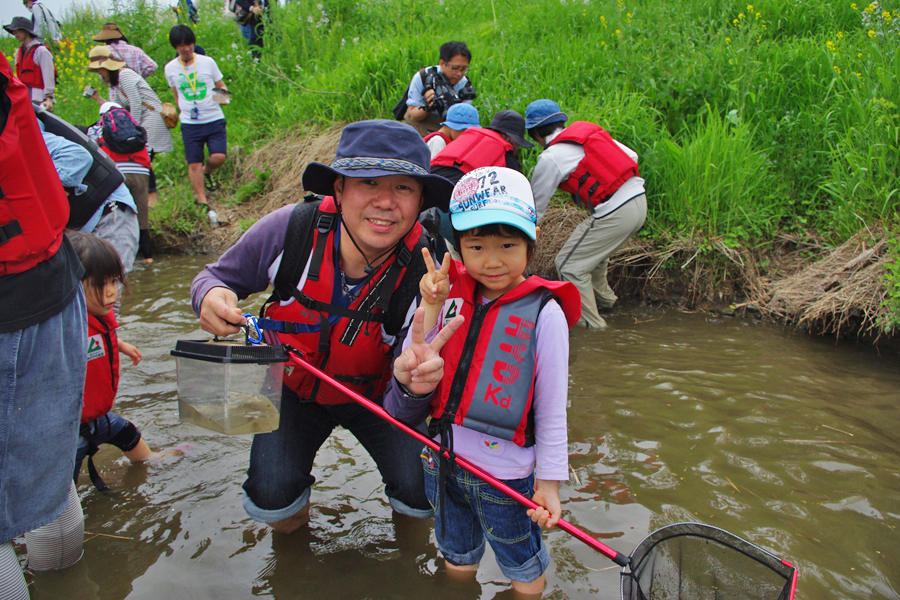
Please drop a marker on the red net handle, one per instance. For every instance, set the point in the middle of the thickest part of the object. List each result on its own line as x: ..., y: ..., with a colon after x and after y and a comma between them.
x: 617, y: 557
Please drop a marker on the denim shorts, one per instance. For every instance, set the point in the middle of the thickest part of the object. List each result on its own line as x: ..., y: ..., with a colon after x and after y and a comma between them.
x: 214, y: 135
x: 474, y: 511
x: 109, y: 429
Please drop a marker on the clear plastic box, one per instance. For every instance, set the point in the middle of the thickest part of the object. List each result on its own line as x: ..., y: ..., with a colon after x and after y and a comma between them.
x: 229, y: 387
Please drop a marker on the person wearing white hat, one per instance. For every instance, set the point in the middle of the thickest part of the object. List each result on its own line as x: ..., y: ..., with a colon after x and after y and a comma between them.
x: 34, y: 63
x: 602, y: 175
x: 500, y: 401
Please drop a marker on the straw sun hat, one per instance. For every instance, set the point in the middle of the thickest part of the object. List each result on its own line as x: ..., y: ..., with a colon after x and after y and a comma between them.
x: 103, y: 57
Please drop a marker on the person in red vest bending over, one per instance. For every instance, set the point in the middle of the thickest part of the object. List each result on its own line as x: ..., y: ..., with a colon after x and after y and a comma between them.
x: 34, y: 63
x: 459, y: 118
x: 602, y: 175
x: 494, y: 146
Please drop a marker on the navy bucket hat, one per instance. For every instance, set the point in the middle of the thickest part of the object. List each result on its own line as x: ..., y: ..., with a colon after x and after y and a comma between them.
x: 543, y: 112
x: 380, y: 148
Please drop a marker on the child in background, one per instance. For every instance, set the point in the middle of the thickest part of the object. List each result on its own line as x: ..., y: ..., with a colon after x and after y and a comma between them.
x: 500, y: 401
x: 103, y: 270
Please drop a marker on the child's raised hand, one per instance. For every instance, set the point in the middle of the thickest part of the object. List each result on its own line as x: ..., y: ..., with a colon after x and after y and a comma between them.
x: 546, y: 496
x: 435, y: 285
x: 420, y: 367
x: 130, y: 351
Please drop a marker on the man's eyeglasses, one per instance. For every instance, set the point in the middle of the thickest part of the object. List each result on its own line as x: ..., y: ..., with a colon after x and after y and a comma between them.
x: 461, y: 69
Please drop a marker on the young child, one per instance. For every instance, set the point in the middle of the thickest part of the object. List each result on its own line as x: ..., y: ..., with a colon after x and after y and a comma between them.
x: 103, y: 270
x: 500, y: 401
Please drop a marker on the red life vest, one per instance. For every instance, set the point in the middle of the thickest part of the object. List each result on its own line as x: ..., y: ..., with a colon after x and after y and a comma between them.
x: 473, y: 148
x: 437, y: 133
x: 33, y: 205
x: 361, y: 359
x: 141, y: 157
x: 101, y: 380
x: 28, y: 71
x: 604, y: 168
x: 492, y: 388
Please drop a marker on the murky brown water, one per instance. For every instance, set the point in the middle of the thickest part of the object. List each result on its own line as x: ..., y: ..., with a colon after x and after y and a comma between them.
x: 789, y: 441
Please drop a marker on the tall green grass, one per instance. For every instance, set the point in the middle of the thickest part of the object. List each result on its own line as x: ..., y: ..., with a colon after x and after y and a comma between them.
x: 748, y: 118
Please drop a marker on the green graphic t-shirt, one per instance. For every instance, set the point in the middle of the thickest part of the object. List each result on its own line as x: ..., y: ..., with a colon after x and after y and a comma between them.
x: 194, y: 83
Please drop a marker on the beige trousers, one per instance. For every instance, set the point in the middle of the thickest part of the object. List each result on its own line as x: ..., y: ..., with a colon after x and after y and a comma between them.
x: 584, y: 258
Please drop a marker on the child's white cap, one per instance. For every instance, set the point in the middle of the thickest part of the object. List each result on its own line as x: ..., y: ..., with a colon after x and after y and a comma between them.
x: 493, y: 195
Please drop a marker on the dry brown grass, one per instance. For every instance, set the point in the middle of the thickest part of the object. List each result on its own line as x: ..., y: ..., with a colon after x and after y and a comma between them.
x: 840, y: 293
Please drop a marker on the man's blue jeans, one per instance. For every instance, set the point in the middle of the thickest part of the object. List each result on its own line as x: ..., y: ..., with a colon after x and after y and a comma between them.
x: 279, y: 478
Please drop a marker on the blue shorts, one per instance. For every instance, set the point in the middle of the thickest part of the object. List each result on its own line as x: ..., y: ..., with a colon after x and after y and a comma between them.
x: 475, y: 511
x: 108, y: 429
x: 213, y: 135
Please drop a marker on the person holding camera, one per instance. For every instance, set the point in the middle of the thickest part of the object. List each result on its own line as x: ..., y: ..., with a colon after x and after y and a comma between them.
x: 434, y: 90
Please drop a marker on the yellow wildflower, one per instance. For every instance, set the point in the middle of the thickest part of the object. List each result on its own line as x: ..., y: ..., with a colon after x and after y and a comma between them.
x: 840, y: 35
x: 749, y: 8
x: 887, y: 15
x: 737, y: 22
x: 831, y: 46
x: 741, y: 15
x: 859, y: 55
x: 859, y: 75
x: 871, y: 33
x: 853, y: 6
x: 837, y: 69
x: 728, y: 40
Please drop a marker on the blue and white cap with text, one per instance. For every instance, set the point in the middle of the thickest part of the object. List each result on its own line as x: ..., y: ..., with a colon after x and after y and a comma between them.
x: 493, y: 195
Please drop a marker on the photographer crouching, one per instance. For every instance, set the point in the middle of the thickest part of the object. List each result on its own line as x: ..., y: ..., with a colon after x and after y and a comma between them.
x: 434, y: 90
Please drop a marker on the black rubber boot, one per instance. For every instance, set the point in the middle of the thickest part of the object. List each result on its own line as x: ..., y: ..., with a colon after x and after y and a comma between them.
x: 144, y: 244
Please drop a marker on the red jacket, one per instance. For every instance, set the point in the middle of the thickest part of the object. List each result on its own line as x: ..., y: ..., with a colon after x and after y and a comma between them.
x: 474, y: 148
x: 362, y: 362
x: 101, y: 380
x: 34, y: 208
x: 604, y: 168
x: 491, y: 389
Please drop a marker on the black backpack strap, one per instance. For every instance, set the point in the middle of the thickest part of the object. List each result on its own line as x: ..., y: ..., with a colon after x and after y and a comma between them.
x: 408, y: 288
x: 297, y: 246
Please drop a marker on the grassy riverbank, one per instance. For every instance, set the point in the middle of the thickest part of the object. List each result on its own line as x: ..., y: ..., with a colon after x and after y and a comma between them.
x: 751, y: 121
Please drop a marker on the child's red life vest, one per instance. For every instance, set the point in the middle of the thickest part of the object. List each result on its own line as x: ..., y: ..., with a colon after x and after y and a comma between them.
x: 101, y: 379
x: 33, y: 204
x: 439, y: 134
x: 489, y: 363
x: 474, y: 148
x: 604, y: 168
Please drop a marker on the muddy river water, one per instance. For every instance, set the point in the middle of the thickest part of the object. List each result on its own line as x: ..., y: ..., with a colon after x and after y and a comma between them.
x: 789, y: 441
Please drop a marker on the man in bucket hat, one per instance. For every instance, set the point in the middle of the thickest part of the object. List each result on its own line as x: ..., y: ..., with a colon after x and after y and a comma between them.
x: 34, y: 63
x: 602, y: 175
x: 336, y: 266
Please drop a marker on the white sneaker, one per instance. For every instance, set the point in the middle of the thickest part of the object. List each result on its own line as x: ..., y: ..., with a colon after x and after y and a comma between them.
x: 213, y: 218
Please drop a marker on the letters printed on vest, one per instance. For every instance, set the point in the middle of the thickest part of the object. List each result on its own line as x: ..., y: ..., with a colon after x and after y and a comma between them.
x: 27, y: 70
x: 102, y: 377
x: 474, y: 148
x: 604, y: 168
x: 357, y: 356
x: 33, y: 205
x: 499, y: 381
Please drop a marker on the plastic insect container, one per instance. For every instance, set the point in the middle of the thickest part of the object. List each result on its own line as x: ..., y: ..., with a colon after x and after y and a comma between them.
x: 229, y: 387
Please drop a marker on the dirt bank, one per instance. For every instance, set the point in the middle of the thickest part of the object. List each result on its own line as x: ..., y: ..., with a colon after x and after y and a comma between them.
x: 795, y: 280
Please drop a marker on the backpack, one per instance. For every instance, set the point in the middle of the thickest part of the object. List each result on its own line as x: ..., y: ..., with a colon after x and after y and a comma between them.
x: 120, y: 132
x: 399, y: 110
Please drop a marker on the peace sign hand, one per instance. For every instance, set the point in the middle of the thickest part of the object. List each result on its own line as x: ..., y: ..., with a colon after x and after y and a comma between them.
x: 435, y: 285
x: 420, y: 367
